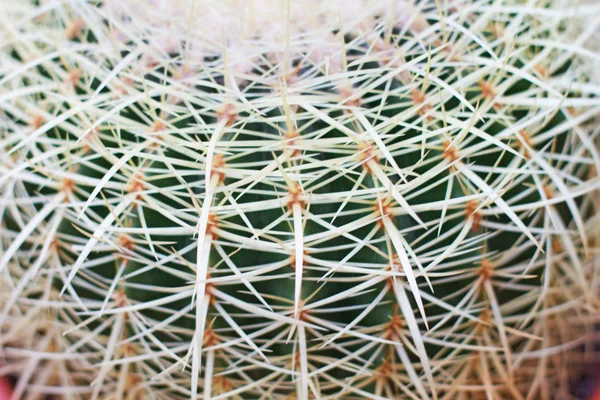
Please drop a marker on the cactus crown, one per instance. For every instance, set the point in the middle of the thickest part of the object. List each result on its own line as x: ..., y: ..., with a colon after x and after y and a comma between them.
x: 358, y: 199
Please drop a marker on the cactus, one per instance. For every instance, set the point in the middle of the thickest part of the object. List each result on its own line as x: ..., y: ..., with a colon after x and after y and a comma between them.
x: 316, y: 199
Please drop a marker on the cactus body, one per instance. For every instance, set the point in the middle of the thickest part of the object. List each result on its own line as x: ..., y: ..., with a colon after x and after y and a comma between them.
x: 360, y: 199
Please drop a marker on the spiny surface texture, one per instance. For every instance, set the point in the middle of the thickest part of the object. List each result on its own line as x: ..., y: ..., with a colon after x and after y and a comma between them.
x: 299, y: 199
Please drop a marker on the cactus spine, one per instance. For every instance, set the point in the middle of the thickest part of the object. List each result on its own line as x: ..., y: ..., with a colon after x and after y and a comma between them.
x: 358, y: 199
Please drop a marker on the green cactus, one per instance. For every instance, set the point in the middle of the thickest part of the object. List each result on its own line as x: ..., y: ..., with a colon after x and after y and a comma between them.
x: 312, y: 200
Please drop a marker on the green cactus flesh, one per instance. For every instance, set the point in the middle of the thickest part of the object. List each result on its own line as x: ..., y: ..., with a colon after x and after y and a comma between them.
x: 412, y: 215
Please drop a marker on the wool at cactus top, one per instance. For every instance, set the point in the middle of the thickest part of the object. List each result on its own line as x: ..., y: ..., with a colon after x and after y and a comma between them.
x: 255, y: 28
x: 311, y: 199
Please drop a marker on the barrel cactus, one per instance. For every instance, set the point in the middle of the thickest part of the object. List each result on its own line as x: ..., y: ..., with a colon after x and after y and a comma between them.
x: 315, y: 199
